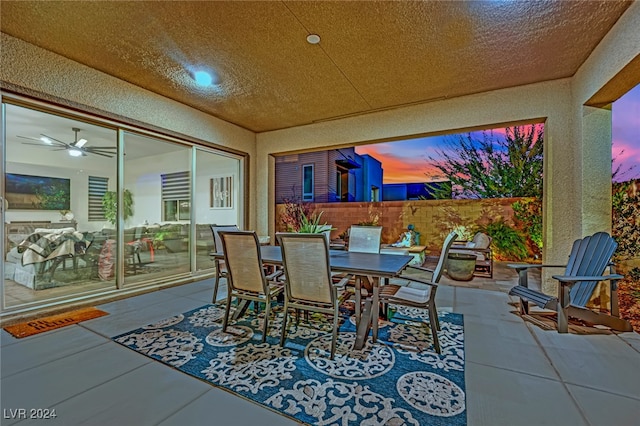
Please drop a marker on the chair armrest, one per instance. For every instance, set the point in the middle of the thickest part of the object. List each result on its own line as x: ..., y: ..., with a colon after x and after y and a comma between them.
x: 523, y: 266
x: 344, y: 280
x: 484, y: 250
x: 420, y: 268
x: 418, y: 280
x: 573, y: 279
x: 275, y: 275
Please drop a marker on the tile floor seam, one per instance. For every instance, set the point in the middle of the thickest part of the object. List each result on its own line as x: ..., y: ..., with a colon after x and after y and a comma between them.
x: 55, y: 359
x: 562, y: 382
x: 603, y: 391
x: 511, y: 370
x: 625, y: 341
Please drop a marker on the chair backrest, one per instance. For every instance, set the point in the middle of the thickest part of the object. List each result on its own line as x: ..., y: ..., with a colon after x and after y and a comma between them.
x: 589, y: 256
x: 481, y: 240
x: 243, y: 261
x: 217, y: 244
x: 446, y: 245
x: 305, y: 258
x: 365, y: 239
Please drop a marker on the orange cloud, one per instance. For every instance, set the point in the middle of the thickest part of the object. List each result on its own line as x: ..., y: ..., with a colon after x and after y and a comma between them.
x: 400, y: 168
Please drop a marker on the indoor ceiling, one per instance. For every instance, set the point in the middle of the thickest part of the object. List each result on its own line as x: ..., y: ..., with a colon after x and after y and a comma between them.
x: 372, y: 55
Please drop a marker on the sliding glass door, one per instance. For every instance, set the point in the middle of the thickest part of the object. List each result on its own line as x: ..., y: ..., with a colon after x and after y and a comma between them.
x: 90, y: 209
x: 57, y: 171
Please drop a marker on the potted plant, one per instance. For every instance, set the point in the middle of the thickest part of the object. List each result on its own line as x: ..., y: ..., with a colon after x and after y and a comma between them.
x: 110, y: 205
x: 311, y: 225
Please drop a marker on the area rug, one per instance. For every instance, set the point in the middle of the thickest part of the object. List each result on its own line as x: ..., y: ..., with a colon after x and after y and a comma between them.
x: 53, y: 322
x: 399, y: 380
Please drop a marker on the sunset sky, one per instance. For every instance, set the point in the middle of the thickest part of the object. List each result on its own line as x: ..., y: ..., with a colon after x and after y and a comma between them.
x: 408, y: 161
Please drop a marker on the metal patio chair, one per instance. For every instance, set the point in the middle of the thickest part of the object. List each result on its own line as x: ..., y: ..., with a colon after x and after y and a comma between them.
x: 308, y: 282
x: 246, y: 278
x: 420, y: 292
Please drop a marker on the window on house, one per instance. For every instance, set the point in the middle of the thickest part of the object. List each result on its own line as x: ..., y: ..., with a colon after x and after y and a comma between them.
x: 97, y: 188
x: 343, y: 184
x: 307, y: 182
x: 375, y: 193
x: 176, y: 202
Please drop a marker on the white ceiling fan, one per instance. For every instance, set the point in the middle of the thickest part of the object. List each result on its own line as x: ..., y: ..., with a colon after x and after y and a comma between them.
x: 76, y: 148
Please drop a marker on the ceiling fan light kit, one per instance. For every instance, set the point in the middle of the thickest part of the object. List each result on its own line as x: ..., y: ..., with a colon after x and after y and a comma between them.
x: 76, y: 148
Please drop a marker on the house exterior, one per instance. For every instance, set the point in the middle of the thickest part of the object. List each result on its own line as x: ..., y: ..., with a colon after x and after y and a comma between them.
x: 338, y: 175
x: 411, y: 191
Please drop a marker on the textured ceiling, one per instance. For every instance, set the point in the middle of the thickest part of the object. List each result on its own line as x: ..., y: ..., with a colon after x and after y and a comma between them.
x: 372, y: 55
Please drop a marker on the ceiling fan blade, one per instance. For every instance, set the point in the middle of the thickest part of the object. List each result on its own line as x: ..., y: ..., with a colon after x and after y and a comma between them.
x: 30, y: 138
x: 54, y: 139
x: 99, y: 153
x: 41, y: 145
x: 100, y: 147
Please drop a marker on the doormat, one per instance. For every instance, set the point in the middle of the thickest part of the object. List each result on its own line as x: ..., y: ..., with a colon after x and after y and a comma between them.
x: 40, y: 325
x: 398, y: 380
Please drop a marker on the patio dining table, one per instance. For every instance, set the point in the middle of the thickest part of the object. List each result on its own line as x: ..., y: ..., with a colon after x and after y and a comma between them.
x: 376, y: 266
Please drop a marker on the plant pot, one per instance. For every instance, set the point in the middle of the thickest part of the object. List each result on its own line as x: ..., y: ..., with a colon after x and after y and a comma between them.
x: 173, y: 245
x: 460, y: 266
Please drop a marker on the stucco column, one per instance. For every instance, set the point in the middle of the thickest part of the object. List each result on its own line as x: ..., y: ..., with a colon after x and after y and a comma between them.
x: 561, y: 189
x: 264, y: 191
x: 596, y: 170
x: 577, y: 183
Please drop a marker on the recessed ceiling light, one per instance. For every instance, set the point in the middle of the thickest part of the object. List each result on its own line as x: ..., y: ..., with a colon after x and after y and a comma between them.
x: 313, y: 39
x: 203, y: 78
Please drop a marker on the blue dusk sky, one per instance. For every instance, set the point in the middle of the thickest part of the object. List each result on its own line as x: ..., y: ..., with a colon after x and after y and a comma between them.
x: 408, y: 161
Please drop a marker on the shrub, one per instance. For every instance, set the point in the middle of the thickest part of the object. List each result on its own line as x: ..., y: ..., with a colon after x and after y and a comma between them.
x: 528, y: 218
x: 507, y: 242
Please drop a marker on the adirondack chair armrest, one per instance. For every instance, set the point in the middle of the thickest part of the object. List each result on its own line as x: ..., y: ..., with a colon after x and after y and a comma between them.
x: 524, y: 266
x: 576, y: 278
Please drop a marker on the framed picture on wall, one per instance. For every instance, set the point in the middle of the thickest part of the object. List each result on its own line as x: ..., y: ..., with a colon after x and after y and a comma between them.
x: 221, y: 192
x: 37, y: 192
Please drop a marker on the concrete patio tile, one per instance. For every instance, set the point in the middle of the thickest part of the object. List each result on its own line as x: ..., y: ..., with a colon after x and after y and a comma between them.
x: 498, y: 397
x: 505, y: 344
x: 33, y: 351
x: 620, y: 410
x: 50, y: 384
x: 110, y: 326
x: 144, y: 396
x: 228, y: 409
x: 189, y: 289
x: 603, y: 362
x: 6, y: 339
x: 483, y: 303
x: 133, y: 304
x: 203, y: 296
x: 632, y: 338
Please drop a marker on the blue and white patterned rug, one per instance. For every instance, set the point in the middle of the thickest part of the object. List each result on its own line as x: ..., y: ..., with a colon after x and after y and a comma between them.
x: 387, y: 383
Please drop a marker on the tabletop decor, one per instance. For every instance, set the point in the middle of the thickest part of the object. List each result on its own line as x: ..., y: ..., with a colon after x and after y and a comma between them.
x: 399, y: 380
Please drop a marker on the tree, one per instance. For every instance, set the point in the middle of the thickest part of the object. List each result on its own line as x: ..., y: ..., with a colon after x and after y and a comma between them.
x: 492, y: 167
